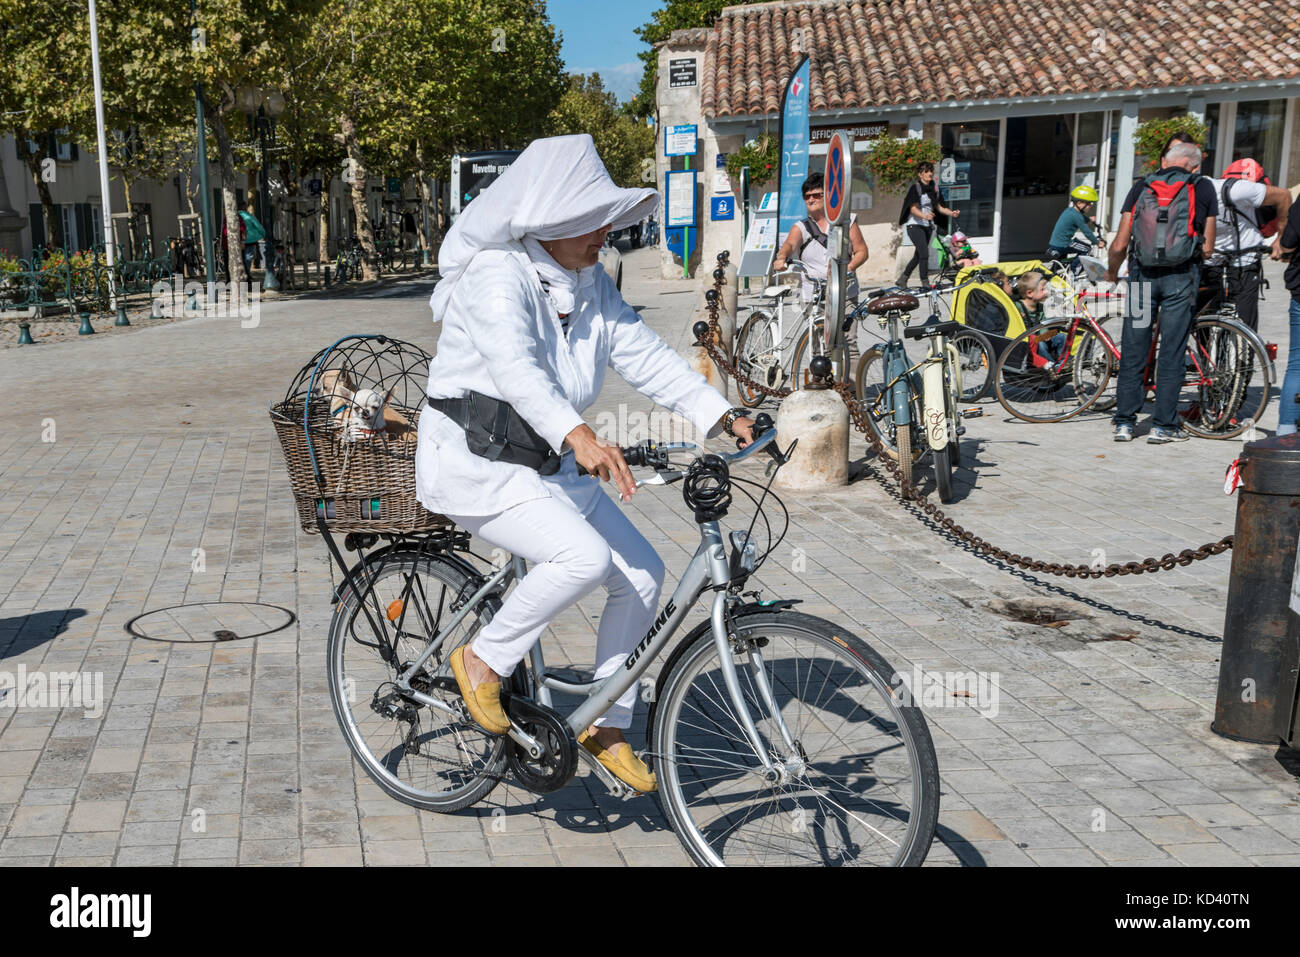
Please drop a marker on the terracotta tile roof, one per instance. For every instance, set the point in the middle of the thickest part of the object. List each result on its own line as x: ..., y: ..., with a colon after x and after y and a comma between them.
x: 874, y: 53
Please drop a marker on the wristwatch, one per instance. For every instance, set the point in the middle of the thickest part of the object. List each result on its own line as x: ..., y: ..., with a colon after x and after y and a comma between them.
x: 729, y: 419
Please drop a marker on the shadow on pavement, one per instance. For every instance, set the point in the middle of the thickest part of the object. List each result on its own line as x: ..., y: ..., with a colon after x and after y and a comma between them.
x: 25, y: 632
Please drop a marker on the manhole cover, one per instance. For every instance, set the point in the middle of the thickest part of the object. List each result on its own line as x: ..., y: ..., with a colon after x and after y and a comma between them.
x: 210, y: 621
x: 1039, y: 611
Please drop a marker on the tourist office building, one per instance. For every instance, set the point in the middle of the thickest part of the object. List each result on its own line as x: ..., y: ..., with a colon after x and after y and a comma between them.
x: 1025, y: 100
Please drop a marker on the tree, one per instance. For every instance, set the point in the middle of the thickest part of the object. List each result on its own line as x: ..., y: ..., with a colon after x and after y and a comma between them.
x: 418, y: 80
x: 622, y: 142
x: 45, y: 49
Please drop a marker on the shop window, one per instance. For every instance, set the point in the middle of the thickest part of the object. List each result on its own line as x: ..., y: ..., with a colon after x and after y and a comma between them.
x: 968, y: 174
x: 1258, y: 134
x: 1209, y: 165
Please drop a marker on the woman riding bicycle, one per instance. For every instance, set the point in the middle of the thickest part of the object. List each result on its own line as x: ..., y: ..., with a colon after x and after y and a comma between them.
x: 529, y: 326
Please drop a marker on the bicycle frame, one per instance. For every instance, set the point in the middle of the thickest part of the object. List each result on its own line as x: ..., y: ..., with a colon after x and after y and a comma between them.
x: 708, y: 568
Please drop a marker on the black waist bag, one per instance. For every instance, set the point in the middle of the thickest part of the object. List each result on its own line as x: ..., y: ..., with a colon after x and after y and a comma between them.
x: 494, y: 430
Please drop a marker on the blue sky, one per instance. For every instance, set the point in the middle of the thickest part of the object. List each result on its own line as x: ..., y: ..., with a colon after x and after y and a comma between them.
x: 598, y: 38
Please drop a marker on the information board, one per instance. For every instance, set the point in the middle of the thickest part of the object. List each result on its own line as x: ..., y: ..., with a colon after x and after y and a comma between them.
x: 679, y: 199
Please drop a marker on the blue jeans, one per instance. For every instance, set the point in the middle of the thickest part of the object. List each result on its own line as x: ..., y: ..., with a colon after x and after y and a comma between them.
x: 1290, y: 409
x: 1167, y: 295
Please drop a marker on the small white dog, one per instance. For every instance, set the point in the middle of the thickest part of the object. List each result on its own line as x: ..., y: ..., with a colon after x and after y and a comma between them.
x: 360, y: 413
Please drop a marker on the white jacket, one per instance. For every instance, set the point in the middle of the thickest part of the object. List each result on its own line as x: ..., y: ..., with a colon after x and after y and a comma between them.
x: 502, y: 337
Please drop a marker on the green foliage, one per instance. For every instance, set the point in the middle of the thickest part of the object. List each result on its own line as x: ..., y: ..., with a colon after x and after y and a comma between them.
x: 761, y: 155
x: 892, y: 162
x: 1152, y: 135
x: 624, y: 144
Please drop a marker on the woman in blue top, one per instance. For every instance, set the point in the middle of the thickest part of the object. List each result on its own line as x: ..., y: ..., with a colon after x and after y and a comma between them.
x: 1077, y: 218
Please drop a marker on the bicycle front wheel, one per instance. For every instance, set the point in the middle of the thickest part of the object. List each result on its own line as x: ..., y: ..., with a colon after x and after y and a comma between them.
x: 1225, y: 386
x: 418, y: 754
x: 757, y: 358
x: 975, y: 355
x: 1035, y: 375
x: 857, y: 782
x: 805, y: 350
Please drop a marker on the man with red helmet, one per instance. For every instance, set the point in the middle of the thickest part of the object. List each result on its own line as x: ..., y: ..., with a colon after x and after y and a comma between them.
x: 1243, y: 192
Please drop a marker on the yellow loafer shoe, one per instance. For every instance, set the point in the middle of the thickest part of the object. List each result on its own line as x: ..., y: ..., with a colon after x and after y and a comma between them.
x: 622, y: 763
x: 484, y: 702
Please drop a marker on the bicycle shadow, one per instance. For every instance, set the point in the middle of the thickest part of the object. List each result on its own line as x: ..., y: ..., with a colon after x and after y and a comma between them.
x: 24, y: 632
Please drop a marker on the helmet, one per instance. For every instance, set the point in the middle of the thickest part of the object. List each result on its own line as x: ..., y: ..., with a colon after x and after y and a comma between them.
x: 959, y: 237
x: 1085, y: 193
x: 1246, y: 169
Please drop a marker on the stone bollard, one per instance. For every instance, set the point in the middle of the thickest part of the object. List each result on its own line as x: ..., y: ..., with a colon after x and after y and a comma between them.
x: 819, y: 420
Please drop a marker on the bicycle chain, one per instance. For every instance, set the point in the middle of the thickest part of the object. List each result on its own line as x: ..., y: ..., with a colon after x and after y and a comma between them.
x: 910, y: 493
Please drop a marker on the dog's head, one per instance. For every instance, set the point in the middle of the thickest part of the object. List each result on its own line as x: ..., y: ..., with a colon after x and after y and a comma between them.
x: 368, y: 411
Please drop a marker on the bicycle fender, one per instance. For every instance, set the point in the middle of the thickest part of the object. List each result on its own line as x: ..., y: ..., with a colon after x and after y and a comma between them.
x: 954, y: 363
x: 932, y: 386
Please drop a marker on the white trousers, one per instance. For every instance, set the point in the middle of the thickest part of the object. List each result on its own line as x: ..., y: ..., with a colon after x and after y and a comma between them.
x: 569, y: 554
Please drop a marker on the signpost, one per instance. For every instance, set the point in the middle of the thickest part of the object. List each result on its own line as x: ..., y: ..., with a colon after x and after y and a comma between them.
x: 839, y: 191
x: 760, y: 240
x: 679, y: 188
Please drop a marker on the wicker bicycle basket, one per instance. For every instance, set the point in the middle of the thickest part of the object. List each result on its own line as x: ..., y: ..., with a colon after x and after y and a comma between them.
x: 356, y: 483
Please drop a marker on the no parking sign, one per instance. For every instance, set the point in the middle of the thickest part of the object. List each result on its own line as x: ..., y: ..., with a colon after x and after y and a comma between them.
x: 838, y: 177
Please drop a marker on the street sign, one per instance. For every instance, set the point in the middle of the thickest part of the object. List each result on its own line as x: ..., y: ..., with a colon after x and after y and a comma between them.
x: 314, y: 187
x: 679, y: 199
x: 394, y: 186
x: 839, y: 177
x: 722, y: 207
x: 680, y: 140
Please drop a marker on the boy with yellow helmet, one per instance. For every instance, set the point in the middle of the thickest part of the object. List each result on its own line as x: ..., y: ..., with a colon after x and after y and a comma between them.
x: 1077, y: 218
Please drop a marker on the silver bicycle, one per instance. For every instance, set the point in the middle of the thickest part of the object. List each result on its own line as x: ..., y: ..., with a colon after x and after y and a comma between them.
x: 775, y: 350
x: 777, y: 737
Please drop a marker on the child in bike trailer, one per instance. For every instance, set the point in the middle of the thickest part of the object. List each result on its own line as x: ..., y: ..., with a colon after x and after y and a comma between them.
x: 961, y: 251
x: 530, y: 323
x: 1077, y: 218
x: 1031, y: 291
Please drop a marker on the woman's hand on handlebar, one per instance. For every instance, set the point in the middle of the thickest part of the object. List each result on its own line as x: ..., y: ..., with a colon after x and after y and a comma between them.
x: 600, y: 459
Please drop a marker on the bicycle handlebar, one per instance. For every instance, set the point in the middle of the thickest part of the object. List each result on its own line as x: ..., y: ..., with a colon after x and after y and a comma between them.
x: 650, y: 454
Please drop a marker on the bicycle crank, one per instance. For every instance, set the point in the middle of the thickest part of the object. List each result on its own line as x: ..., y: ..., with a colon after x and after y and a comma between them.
x: 557, y: 762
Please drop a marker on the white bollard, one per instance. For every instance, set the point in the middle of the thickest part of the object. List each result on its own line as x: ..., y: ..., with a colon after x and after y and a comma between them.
x: 819, y: 419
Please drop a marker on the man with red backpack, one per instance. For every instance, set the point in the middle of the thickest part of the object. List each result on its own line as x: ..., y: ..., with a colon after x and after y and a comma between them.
x: 1166, y: 231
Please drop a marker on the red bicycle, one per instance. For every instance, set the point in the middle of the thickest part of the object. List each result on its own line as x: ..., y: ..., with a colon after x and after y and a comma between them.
x: 1060, y: 368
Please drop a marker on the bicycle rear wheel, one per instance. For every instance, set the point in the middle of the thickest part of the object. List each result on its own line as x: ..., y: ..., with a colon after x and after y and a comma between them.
x: 1225, y: 386
x: 804, y: 353
x: 859, y: 786
x: 1038, y: 388
x: 418, y: 754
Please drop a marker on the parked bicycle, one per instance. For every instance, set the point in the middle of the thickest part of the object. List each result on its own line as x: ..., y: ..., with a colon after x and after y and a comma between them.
x: 1059, y: 368
x: 774, y: 350
x: 348, y: 265
x: 915, y: 407
x: 777, y: 737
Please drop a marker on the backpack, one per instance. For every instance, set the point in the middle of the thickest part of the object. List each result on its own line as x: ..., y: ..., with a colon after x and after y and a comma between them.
x: 811, y: 231
x: 1164, y: 227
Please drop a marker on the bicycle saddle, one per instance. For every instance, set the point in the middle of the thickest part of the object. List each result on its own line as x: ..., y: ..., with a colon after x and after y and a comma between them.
x: 893, y: 302
x: 932, y: 329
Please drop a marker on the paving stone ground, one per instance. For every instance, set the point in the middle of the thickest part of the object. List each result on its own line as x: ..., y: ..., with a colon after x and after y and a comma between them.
x: 122, y: 455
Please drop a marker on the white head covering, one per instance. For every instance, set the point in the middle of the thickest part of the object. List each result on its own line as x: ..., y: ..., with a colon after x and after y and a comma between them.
x: 557, y: 188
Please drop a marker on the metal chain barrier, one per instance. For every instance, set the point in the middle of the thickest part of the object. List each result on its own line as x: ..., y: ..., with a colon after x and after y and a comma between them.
x: 910, y: 492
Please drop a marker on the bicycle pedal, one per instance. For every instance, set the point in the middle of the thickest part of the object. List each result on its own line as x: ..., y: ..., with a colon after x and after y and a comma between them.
x: 974, y: 413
